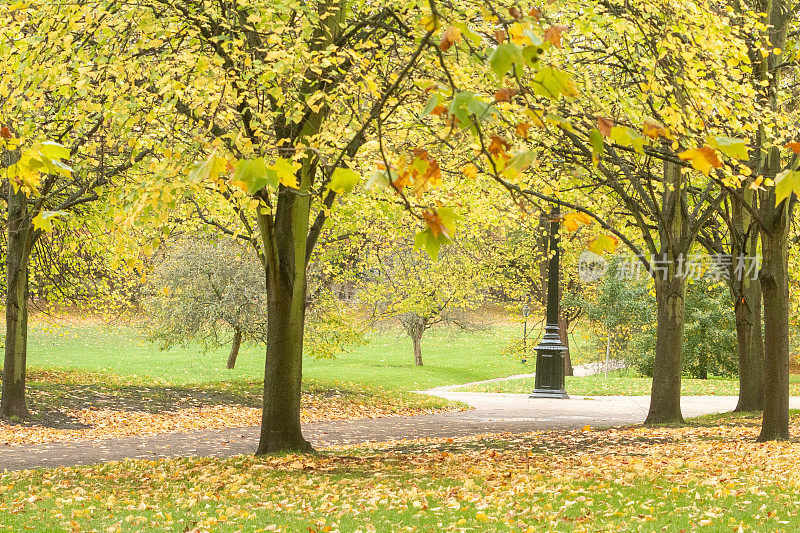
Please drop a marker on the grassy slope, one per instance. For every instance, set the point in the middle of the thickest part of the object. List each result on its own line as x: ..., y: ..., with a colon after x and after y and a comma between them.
x: 450, y: 358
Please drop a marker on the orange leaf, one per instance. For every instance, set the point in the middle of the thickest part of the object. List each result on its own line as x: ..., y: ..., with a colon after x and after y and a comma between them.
x: 5, y: 133
x: 703, y: 159
x: 535, y: 13
x: 794, y: 146
x: 434, y: 223
x: 504, y: 94
x: 552, y: 35
x: 573, y: 220
x: 498, y: 146
x: 439, y: 110
x: 500, y: 36
x: 515, y: 12
x: 451, y: 36
x: 522, y: 129
x: 604, y: 125
x: 654, y: 129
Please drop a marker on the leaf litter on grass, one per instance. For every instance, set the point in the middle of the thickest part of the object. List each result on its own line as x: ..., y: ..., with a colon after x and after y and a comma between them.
x: 713, y: 478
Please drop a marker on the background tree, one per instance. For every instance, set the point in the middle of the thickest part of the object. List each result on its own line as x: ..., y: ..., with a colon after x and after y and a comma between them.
x: 213, y: 294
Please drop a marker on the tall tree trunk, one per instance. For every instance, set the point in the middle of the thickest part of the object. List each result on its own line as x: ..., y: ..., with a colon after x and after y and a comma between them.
x: 670, y: 285
x: 746, y: 293
x: 774, y: 277
x: 20, y: 235
x: 237, y: 343
x: 563, y: 330
x: 774, y: 274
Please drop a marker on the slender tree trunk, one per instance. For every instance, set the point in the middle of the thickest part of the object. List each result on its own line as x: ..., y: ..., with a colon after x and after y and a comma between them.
x: 20, y: 234
x: 417, y: 340
x: 563, y: 329
x: 750, y: 348
x: 237, y: 343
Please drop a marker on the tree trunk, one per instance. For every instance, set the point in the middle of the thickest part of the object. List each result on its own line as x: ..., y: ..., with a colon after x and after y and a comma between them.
x: 670, y: 285
x: 774, y: 277
x: 774, y: 273
x: 20, y: 235
x: 563, y: 329
x: 417, y: 340
x: 237, y: 343
x: 750, y: 348
x: 665, y: 399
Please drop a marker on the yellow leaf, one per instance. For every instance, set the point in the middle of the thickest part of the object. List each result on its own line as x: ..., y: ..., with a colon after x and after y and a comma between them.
x: 703, y: 159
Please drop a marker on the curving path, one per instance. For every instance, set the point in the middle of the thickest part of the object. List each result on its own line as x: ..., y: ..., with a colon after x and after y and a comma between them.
x: 491, y: 413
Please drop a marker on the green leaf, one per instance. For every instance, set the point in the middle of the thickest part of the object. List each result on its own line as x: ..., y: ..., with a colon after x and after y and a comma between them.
x: 551, y: 82
x: 44, y: 220
x: 786, y: 183
x: 519, y: 162
x: 53, y: 150
x: 596, y: 142
x: 253, y: 173
x: 211, y: 168
x: 286, y: 171
x: 432, y: 102
x: 505, y: 55
x: 432, y: 244
x: 730, y: 146
x: 449, y: 217
x: 628, y: 137
x: 344, y: 180
x: 465, y: 105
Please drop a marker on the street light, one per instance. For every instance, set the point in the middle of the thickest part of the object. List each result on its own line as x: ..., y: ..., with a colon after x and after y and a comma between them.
x: 526, y: 311
x: 550, y: 351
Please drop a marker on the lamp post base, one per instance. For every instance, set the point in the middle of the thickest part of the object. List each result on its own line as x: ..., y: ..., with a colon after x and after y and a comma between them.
x: 549, y: 393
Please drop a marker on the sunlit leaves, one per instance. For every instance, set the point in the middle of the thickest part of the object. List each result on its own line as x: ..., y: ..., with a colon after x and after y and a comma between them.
x: 628, y: 137
x: 603, y: 243
x: 552, y: 82
x: 731, y: 147
x: 286, y: 171
x: 504, y: 57
x: 572, y: 221
x: 344, y: 180
x: 208, y: 169
x: 702, y: 159
x: 44, y: 220
x: 254, y: 175
x: 786, y: 183
x: 41, y: 158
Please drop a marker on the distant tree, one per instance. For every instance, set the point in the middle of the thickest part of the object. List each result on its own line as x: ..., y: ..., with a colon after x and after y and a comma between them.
x: 209, y: 293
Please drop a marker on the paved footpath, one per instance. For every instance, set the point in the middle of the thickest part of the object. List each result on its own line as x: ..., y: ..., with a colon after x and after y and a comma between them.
x: 491, y: 413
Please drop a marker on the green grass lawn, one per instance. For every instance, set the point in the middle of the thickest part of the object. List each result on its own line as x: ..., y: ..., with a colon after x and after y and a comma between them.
x: 450, y: 356
x: 615, y: 385
x: 710, y: 476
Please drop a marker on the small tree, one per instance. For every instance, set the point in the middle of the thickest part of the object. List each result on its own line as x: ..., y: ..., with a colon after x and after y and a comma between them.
x: 210, y: 293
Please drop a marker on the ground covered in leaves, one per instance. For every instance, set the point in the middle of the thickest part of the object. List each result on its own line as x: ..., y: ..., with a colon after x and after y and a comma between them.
x: 72, y: 406
x: 710, y: 476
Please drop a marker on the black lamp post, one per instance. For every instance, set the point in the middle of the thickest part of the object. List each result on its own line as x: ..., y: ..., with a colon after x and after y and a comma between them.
x: 550, y: 352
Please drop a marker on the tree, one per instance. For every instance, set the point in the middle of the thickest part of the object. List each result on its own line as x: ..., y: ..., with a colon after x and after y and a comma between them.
x: 422, y: 293
x: 65, y: 96
x: 211, y: 293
